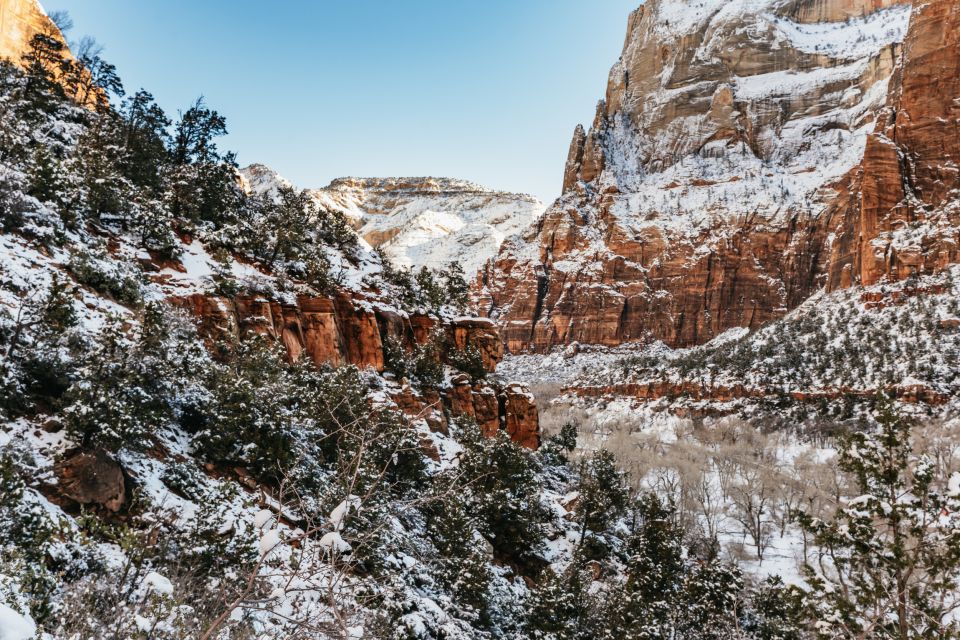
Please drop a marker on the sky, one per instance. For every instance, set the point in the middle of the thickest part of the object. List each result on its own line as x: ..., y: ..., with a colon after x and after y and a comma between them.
x: 483, y: 90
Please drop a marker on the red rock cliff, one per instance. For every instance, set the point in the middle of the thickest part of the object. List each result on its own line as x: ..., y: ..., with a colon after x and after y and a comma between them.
x: 342, y: 330
x: 745, y: 157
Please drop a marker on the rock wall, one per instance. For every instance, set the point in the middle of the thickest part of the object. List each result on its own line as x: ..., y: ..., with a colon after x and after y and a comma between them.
x: 341, y: 330
x: 746, y: 155
x: 334, y: 330
x: 902, y: 214
x: 20, y: 20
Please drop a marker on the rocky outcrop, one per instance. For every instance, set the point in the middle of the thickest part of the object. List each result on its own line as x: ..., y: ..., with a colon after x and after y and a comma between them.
x: 746, y: 155
x: 475, y: 401
x: 92, y: 477
x: 334, y: 330
x: 420, y: 221
x: 20, y: 21
x: 341, y: 330
x: 511, y: 409
x: 520, y: 418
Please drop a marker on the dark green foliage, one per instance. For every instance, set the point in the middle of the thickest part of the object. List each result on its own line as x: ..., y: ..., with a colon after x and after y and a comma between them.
x: 35, y: 369
x: 44, y: 61
x: 561, y: 607
x: 203, y: 184
x: 205, y: 549
x: 775, y: 612
x: 501, y: 478
x: 469, y: 361
x: 128, y: 388
x: 896, y: 568
x: 122, y: 284
x: 603, y: 492
x: 145, y: 140
x: 457, y: 288
x: 668, y: 593
x: 254, y: 412
x: 430, y: 294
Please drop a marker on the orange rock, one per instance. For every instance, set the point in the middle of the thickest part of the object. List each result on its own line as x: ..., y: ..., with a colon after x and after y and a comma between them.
x: 521, y: 419
x: 600, y: 281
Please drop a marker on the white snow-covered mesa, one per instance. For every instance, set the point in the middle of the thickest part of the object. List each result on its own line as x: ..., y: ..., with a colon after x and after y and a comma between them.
x: 419, y: 222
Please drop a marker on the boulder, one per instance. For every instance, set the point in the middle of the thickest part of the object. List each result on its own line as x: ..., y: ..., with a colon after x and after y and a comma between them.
x: 92, y: 477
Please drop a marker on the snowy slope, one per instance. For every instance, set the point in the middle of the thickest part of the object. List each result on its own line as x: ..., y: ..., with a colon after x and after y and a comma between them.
x: 421, y: 221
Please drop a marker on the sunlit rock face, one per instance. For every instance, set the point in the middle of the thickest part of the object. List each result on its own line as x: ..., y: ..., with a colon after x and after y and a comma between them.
x: 20, y: 20
x: 746, y: 155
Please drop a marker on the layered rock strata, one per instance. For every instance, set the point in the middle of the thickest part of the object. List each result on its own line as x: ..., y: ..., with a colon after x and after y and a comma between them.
x: 747, y: 154
x: 340, y: 330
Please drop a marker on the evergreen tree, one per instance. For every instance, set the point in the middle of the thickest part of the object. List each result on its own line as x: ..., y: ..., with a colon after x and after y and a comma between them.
x: 891, y: 556
x: 561, y: 606
x: 145, y: 138
x: 117, y: 402
x: 457, y: 288
x: 203, y: 184
x: 430, y: 295
x: 504, y: 496
x: 603, y: 492
x: 44, y: 62
x: 776, y: 612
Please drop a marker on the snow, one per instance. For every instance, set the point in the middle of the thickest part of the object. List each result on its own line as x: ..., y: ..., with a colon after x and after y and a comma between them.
x: 262, y: 518
x: 269, y: 541
x: 339, y: 514
x: 954, y: 486
x: 420, y: 221
x: 792, y: 83
x: 854, y: 38
x: 335, y: 543
x: 155, y: 583
x: 15, y: 626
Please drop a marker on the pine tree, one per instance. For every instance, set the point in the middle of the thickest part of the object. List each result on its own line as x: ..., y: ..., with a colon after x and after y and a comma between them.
x: 203, y: 185
x: 429, y: 294
x: 456, y: 285
x: 504, y: 496
x: 603, y: 492
x: 561, y: 606
x: 472, y: 585
x: 891, y: 556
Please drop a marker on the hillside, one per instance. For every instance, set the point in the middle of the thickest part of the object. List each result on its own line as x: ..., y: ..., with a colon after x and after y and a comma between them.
x: 713, y: 393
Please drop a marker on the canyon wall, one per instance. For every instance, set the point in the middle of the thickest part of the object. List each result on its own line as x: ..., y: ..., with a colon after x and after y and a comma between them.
x: 746, y: 155
x: 420, y: 221
x: 20, y: 20
x: 341, y: 330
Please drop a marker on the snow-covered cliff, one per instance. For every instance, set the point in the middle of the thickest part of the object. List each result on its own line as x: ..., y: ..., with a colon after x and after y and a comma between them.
x: 421, y: 221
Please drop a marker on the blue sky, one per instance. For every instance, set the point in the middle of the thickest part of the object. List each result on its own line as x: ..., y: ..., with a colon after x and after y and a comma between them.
x: 486, y: 90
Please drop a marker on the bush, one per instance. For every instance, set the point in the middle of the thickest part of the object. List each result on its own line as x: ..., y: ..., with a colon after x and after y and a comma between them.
x: 120, y: 281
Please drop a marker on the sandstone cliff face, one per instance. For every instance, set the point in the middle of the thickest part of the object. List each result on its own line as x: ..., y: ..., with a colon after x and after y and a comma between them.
x: 20, y: 20
x: 421, y: 221
x: 340, y: 330
x: 745, y: 156
x: 903, y: 215
x: 335, y: 330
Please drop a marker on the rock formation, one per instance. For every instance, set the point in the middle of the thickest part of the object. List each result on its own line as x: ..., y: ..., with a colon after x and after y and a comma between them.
x: 20, y: 20
x: 745, y: 156
x: 341, y: 330
x: 92, y: 477
x: 334, y: 330
x: 420, y: 221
